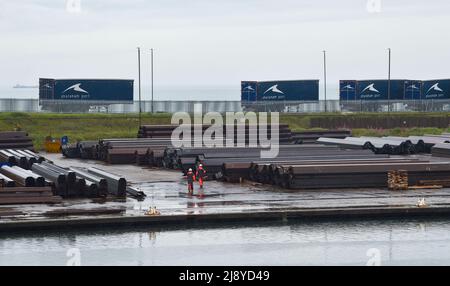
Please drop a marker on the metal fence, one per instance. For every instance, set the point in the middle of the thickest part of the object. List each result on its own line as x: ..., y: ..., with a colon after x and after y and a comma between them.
x: 33, y: 105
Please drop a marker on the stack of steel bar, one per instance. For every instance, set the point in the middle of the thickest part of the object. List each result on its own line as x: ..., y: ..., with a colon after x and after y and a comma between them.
x: 67, y: 183
x: 22, y: 158
x: 15, y: 140
x: 20, y: 186
x: 360, y: 175
x: 143, y: 151
x: 263, y: 171
x: 214, y: 158
x: 441, y: 150
x: 22, y: 177
x: 310, y: 137
x: 392, y: 146
x: 240, y: 131
x: 82, y: 149
x: 34, y: 195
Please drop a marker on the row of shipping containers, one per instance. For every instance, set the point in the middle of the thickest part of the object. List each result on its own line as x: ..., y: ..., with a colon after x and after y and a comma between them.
x: 399, y: 89
x: 282, y: 90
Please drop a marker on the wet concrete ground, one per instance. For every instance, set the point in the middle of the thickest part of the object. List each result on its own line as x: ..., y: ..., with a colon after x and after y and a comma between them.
x: 166, y: 190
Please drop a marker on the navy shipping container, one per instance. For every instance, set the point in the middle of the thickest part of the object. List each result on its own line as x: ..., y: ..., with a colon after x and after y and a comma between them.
x: 378, y: 90
x: 288, y: 90
x: 436, y: 89
x: 90, y: 90
x: 347, y: 89
x: 249, y: 90
x: 413, y: 89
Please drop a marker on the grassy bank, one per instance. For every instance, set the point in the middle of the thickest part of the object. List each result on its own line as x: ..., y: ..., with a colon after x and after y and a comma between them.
x: 77, y: 126
x: 98, y: 126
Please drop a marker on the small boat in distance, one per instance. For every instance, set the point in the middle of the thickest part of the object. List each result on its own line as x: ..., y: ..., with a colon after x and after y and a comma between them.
x: 25, y: 86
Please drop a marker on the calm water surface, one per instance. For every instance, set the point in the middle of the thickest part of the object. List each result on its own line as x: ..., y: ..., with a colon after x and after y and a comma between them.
x: 395, y: 242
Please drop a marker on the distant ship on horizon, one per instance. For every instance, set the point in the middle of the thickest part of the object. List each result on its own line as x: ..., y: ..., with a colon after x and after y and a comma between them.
x: 25, y: 86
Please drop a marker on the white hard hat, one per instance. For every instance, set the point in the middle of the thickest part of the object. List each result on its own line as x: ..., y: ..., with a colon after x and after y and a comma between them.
x: 190, y: 169
x: 200, y: 165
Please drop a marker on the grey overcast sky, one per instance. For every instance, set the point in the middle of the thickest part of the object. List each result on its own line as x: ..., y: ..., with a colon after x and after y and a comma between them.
x: 210, y: 42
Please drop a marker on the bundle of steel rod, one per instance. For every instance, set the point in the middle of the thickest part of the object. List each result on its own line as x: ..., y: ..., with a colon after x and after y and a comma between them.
x: 98, y: 187
x: 6, y: 182
x: 361, y: 175
x: 21, y: 158
x: 258, y: 168
x: 22, y: 177
x: 310, y: 137
x: 116, y: 185
x: 15, y: 140
x: 31, y: 195
x: 241, y: 131
x: 377, y: 145
x: 213, y: 159
x: 441, y: 150
x: 275, y: 172
x: 144, y: 151
x: 397, y: 180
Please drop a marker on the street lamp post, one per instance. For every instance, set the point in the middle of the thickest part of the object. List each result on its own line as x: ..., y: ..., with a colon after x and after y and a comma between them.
x: 389, y: 82
x: 152, y: 75
x: 139, y: 77
x: 325, y: 77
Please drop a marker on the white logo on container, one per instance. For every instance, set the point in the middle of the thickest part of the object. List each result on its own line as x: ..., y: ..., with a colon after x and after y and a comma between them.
x: 348, y: 87
x: 370, y: 87
x: 435, y: 87
x: 76, y: 87
x: 274, y: 89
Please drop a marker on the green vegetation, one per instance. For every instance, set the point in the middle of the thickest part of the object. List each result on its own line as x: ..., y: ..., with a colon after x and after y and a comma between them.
x: 98, y: 126
x: 77, y: 126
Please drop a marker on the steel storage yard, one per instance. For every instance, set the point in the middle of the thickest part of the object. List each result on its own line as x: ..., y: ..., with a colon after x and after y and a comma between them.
x: 283, y: 90
x: 86, y: 90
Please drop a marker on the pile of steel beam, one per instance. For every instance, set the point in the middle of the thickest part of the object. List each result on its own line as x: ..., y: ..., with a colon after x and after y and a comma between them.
x: 67, y: 183
x: 15, y: 140
x: 393, y: 145
x: 441, y: 150
x: 21, y: 158
x: 385, y: 145
x: 215, y: 158
x: 33, y: 195
x: 262, y: 171
x: 358, y: 175
x: 142, y: 151
x: 310, y: 137
x: 239, y: 131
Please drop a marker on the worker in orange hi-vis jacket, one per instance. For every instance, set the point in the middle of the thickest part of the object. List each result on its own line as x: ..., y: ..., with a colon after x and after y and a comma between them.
x: 201, y: 175
x: 190, y: 179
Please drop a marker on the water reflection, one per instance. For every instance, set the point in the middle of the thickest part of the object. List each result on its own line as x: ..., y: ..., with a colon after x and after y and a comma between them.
x: 277, y: 243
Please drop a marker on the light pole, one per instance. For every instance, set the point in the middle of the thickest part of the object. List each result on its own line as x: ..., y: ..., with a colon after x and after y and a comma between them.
x: 325, y: 77
x: 152, y: 75
x: 389, y: 82
x: 139, y: 77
